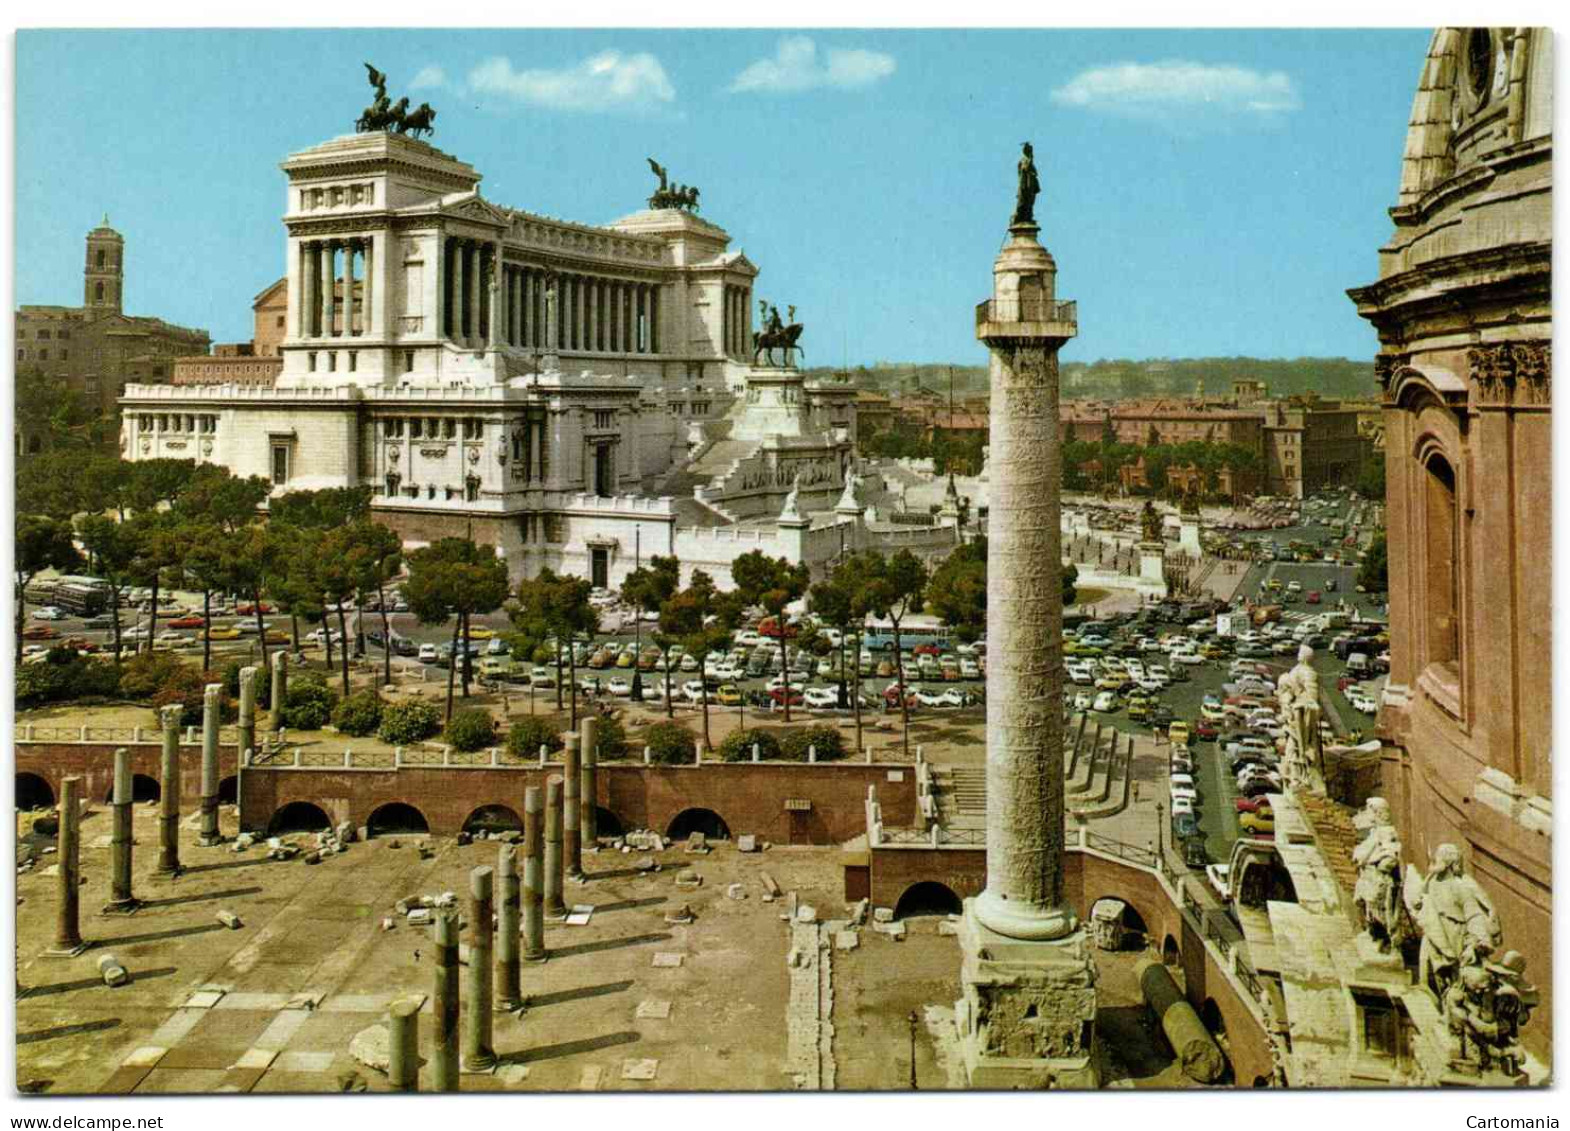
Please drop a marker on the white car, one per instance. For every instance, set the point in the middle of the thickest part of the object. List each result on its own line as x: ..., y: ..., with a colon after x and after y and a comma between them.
x: 693, y: 690
x: 689, y: 663
x: 1156, y: 671
x: 1184, y: 793
x: 1105, y: 702
x: 969, y: 670
x: 1082, y: 702
x: 748, y: 638
x: 821, y: 697
x: 1181, y: 806
x: 1219, y: 875
x: 49, y: 612
x: 1186, y: 657
x: 1151, y: 684
x: 1135, y: 669
x: 619, y: 686
x: 542, y: 677
x: 317, y: 635
x: 173, y: 640
x: 1182, y: 781
x: 427, y: 653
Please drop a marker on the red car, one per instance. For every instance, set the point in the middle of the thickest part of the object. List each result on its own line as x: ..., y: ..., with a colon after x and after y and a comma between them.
x: 247, y: 608
x: 1313, y: 597
x: 926, y: 650
x: 778, y: 695
x: 770, y: 627
x: 891, y: 698
x: 188, y: 622
x: 1204, y: 731
x: 1252, y: 805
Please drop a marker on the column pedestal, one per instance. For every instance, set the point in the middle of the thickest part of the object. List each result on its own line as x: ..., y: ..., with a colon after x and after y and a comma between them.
x: 1028, y: 1017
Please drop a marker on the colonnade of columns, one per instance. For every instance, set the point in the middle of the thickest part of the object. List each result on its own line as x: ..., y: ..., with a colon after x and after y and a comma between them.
x: 466, y: 314
x: 329, y: 304
x: 736, y: 322
x: 592, y: 314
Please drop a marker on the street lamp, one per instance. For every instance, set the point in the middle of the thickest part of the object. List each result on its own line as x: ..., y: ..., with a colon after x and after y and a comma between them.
x: 913, y: 1022
x: 1160, y: 844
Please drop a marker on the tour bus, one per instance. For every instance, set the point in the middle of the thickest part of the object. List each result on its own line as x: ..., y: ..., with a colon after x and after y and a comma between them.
x: 914, y: 632
x: 83, y: 596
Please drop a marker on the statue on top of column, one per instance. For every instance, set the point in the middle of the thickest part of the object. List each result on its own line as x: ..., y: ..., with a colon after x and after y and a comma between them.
x: 1297, y: 693
x: 1029, y: 189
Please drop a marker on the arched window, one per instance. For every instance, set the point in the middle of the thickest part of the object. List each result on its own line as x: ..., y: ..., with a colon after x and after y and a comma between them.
x: 100, y: 257
x: 98, y: 292
x: 1441, y: 563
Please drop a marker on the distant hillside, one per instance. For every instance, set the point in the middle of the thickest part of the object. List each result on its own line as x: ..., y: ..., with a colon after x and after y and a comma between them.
x: 1128, y: 379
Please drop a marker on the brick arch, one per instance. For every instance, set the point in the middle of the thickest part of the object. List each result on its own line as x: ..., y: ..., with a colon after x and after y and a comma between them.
x: 1134, y: 920
x: 493, y: 817
x: 396, y: 817
x: 298, y: 816
x: 35, y: 791
x: 928, y: 897
x: 697, y: 819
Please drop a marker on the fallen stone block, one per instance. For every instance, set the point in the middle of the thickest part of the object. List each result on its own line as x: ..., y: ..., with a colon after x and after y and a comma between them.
x: 653, y: 1010
x: 639, y: 1069
x: 687, y: 878
x: 883, y: 915
x: 795, y: 958
x: 747, y: 843
x: 511, y: 836
x: 680, y: 916
x: 372, y: 1047
x: 846, y: 940
x: 394, y: 843
x: 767, y: 898
x: 858, y: 913
x: 112, y: 971
x: 666, y: 960
x: 388, y: 923
x: 895, y: 931
x: 736, y: 891
x: 806, y: 914
x: 426, y: 852
x: 274, y: 842
x: 446, y: 899
x: 697, y: 843
x: 647, y: 864
x: 769, y: 884
x: 464, y: 838
x: 419, y: 916
x: 230, y: 920
x: 346, y: 832
x: 948, y: 927
x: 313, y: 857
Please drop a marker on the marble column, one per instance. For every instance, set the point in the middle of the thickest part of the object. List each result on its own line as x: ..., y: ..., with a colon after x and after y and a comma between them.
x: 403, y: 1045
x: 305, y: 311
x: 247, y: 726
x: 349, y: 248
x: 1026, y: 962
x: 444, y: 1005
x: 471, y: 297
x: 591, y: 339
x: 372, y: 315
x: 479, y: 1055
x: 169, y: 793
x: 325, y: 275
x: 68, y: 860
x: 589, y: 760
x: 554, y: 908
x: 120, y: 898
x: 496, y: 310
x: 572, y: 817
x: 654, y: 319
x: 533, y: 876
x: 211, y: 698
x: 628, y: 314
x: 509, y: 976
x: 280, y: 662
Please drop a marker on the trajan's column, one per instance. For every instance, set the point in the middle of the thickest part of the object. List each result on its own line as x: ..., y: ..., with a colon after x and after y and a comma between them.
x: 1027, y: 1019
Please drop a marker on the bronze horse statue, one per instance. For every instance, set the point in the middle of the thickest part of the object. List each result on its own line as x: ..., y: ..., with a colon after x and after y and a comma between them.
x: 418, y: 121
x: 775, y: 335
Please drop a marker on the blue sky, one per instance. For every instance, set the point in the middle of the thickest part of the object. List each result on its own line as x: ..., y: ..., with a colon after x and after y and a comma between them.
x: 1204, y: 192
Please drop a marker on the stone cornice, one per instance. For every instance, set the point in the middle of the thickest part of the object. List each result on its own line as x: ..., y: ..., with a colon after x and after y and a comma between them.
x: 1484, y: 265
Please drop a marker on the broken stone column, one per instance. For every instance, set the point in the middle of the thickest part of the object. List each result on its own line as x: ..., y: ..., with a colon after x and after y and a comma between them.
x: 68, y: 934
x: 121, y: 900
x: 478, y: 1055
x: 444, y: 1005
x: 572, y: 815
x: 1027, y: 1019
x: 509, y: 977
x: 169, y: 793
x: 247, y: 724
x: 280, y: 687
x: 211, y: 698
x: 553, y: 855
x: 403, y: 1045
x: 533, y: 876
x: 588, y: 771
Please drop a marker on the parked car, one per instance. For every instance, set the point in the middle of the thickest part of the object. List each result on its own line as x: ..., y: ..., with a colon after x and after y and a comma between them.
x: 1257, y: 824
x: 1218, y: 876
x: 1105, y: 702
x: 1184, y: 824
x: 49, y: 612
x: 821, y: 698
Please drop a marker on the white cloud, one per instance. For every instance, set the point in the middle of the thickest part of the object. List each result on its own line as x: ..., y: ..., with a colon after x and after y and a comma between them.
x: 796, y: 65
x: 429, y: 77
x: 1178, y: 89
x: 607, y: 81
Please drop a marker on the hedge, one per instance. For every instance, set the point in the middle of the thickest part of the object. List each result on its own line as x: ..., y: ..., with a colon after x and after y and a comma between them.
x: 471, y: 728
x: 409, y: 722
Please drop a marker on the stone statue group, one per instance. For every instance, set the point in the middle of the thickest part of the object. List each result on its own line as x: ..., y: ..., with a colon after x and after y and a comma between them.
x: 776, y: 334
x: 385, y: 114
x: 1481, y: 990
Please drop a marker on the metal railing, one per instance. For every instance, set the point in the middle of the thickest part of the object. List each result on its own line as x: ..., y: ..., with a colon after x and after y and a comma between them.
x: 1026, y: 310
x: 32, y: 732
x: 1133, y: 853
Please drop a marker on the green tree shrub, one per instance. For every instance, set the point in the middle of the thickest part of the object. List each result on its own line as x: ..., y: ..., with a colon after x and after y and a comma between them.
x: 670, y: 744
x: 309, y: 703
x: 611, y: 739
x: 359, y: 714
x: 527, y: 735
x: 264, y: 683
x: 827, y: 740
x: 471, y: 728
x: 405, y: 723
x: 143, y: 674
x: 737, y: 746
x: 187, y: 687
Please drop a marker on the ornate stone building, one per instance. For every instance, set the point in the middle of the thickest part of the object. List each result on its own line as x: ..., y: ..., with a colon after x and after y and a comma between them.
x: 97, y: 348
x: 572, y: 394
x: 1462, y: 307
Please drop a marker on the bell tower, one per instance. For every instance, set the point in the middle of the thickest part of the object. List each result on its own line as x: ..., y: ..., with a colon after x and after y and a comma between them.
x: 104, y: 275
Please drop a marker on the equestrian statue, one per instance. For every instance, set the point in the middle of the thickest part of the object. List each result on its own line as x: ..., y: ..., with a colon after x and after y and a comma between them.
x: 386, y: 115
x: 775, y: 335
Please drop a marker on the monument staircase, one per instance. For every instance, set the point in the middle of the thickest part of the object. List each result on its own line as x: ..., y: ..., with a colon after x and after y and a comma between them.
x: 960, y: 793
x: 1336, y: 837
